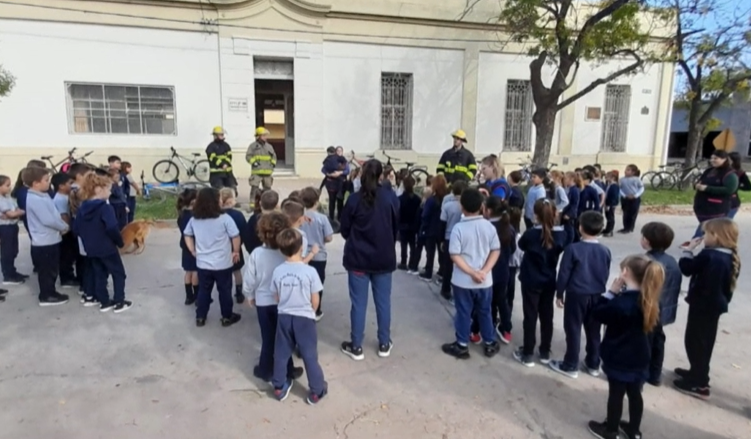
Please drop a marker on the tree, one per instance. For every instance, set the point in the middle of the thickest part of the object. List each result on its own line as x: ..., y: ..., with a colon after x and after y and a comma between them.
x: 566, y: 33
x: 710, y: 47
x: 7, y: 81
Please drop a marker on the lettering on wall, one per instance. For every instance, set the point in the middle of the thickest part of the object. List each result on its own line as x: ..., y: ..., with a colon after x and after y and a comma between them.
x: 238, y: 105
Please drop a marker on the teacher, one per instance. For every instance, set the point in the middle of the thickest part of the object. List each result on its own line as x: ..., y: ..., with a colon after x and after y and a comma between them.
x: 714, y: 190
x: 369, y: 225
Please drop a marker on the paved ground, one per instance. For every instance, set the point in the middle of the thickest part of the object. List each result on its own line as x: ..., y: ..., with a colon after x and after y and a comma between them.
x: 70, y: 371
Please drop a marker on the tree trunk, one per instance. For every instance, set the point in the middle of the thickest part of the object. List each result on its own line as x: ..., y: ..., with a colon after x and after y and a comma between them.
x: 544, y: 120
x: 694, y: 146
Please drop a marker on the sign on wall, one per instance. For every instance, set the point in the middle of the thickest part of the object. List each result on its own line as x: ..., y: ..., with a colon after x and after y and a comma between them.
x: 238, y: 105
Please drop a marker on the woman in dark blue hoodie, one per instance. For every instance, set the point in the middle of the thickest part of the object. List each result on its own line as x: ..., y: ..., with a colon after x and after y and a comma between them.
x: 370, y: 223
x: 99, y: 232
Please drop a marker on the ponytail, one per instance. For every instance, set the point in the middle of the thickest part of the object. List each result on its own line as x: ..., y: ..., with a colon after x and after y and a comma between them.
x: 499, y: 209
x: 545, y: 213
x: 371, y: 173
x: 651, y: 288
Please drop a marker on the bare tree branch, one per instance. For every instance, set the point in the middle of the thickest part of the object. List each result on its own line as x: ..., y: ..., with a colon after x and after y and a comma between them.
x: 639, y: 63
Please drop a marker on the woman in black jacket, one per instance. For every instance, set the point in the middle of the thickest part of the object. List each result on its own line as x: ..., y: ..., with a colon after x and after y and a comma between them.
x: 714, y: 190
x: 744, y: 184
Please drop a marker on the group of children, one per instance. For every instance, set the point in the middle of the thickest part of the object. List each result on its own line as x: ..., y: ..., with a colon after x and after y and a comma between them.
x: 73, y: 220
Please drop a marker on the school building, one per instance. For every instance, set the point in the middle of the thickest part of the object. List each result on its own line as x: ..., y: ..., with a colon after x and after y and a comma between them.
x: 134, y: 78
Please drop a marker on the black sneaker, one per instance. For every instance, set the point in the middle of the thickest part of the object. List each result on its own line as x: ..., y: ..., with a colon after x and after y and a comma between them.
x: 426, y: 277
x: 600, y: 429
x: 319, y: 315
x: 491, y: 349
x: 200, y: 322
x: 683, y: 373
x: 15, y: 280
x: 2, y: 299
x: 256, y: 369
x: 623, y: 231
x: 240, y: 298
x: 231, y: 320
x: 69, y: 284
x: 297, y: 373
x: 384, y: 350
x: 57, y: 299
x: 402, y: 267
x: 544, y: 357
x: 107, y: 307
x: 447, y: 295
x: 22, y: 276
x: 656, y: 382
x: 684, y: 386
x: 456, y: 350
x: 89, y: 301
x: 352, y: 352
x: 123, y: 306
x: 526, y: 360
x: 626, y: 431
x: 608, y: 235
x: 2, y: 291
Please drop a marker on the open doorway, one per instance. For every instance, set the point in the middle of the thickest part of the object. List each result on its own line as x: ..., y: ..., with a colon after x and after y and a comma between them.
x: 275, y: 111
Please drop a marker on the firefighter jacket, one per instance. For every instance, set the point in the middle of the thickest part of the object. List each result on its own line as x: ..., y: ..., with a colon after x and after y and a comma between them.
x: 219, y: 154
x: 457, y: 164
x: 262, y: 158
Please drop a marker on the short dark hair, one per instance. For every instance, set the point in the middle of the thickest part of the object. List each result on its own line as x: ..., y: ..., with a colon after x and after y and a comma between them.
x: 591, y: 223
x: 289, y: 242
x: 126, y: 165
x: 269, y: 200
x: 409, y: 184
x: 269, y: 226
x: 113, y: 158
x: 458, y: 187
x: 207, y: 204
x: 540, y: 172
x: 659, y: 235
x: 31, y: 175
x: 293, y: 210
x: 60, y: 179
x: 472, y: 200
x: 77, y: 169
x: 587, y: 175
x: 309, y: 197
x: 330, y: 150
x: 515, y: 176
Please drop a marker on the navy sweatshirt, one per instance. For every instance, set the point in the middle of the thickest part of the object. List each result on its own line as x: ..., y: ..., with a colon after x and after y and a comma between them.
x: 97, y: 227
x: 539, y: 263
x: 589, y: 199
x: 585, y: 268
x: 117, y: 197
x: 501, y: 267
x: 431, y: 226
x: 571, y: 211
x: 240, y: 222
x: 711, y: 273
x: 409, y: 210
x: 671, y: 289
x: 625, y: 349
x: 612, y: 195
x: 182, y: 221
x: 249, y: 236
x: 370, y: 232
x: 516, y: 198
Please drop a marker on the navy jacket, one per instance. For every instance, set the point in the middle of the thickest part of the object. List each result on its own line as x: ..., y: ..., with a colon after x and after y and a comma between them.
x: 501, y: 267
x: 625, y: 349
x: 589, y: 199
x: 97, y: 227
x: 117, y: 196
x: 431, y: 226
x: 182, y: 221
x: 671, y: 289
x: 539, y: 264
x: 711, y: 272
x: 240, y: 221
x: 612, y: 195
x: 584, y: 269
x: 249, y: 235
x: 516, y: 198
x: 571, y: 211
x: 370, y: 232
x: 409, y: 211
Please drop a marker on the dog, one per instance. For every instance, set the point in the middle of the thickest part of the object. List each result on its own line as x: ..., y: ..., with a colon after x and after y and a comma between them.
x: 134, y: 235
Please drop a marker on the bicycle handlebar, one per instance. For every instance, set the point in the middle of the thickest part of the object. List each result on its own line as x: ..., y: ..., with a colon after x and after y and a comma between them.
x: 71, y: 152
x: 88, y: 153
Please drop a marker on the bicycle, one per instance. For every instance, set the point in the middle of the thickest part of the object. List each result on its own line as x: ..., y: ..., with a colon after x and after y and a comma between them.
x: 67, y: 161
x: 679, y: 176
x: 418, y: 172
x: 167, y: 170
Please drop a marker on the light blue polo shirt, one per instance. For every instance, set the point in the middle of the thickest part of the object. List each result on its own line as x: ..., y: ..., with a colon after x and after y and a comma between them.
x: 316, y: 231
x: 213, y: 241
x: 451, y: 213
x: 473, y: 238
x: 295, y: 283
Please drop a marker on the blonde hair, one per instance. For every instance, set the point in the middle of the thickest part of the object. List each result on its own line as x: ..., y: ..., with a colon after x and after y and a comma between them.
x: 557, y: 177
x: 91, y: 182
x: 226, y: 194
x: 575, y: 178
x: 726, y: 232
x: 651, y: 276
x: 495, y: 164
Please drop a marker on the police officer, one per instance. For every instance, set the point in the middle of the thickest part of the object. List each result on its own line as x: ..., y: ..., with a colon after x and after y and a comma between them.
x: 262, y: 159
x: 219, y: 154
x: 457, y: 163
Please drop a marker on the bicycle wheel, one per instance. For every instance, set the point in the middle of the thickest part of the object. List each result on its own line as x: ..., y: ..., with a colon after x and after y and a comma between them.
x: 420, y: 176
x: 202, y: 171
x: 646, y: 178
x: 662, y: 181
x: 166, y: 171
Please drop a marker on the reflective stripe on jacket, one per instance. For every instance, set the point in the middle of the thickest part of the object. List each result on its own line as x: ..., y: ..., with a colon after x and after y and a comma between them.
x: 262, y: 158
x: 457, y: 164
x: 219, y: 154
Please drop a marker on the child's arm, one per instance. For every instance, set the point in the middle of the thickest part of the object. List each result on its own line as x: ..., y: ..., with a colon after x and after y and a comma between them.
x: 51, y: 217
x: 524, y: 241
x: 111, y: 226
x: 190, y: 244
x: 315, y: 287
x: 605, y: 312
x: 313, y: 251
x: 691, y: 265
x: 328, y: 231
x: 236, y: 243
x: 315, y: 300
x: 564, y: 275
x: 13, y: 214
x: 250, y: 280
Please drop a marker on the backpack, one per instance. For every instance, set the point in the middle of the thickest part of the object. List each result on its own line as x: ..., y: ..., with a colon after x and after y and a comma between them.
x: 500, y: 184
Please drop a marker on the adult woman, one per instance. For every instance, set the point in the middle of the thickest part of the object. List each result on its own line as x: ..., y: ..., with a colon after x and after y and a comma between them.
x: 714, y: 190
x: 369, y: 227
x: 430, y: 227
x: 743, y: 183
x: 495, y: 177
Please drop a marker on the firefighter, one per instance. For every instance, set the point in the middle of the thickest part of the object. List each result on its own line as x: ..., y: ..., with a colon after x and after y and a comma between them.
x: 262, y: 159
x: 219, y: 154
x: 457, y: 163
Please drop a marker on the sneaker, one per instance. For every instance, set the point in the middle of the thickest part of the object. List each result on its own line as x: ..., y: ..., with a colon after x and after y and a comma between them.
x: 69, y: 284
x: 88, y: 301
x: 234, y: 318
x: 438, y: 278
x: 123, y: 306
x: 22, y: 276
x: 654, y: 382
x: 595, y: 372
x: 456, y: 350
x: 80, y: 291
x: 447, y: 295
x: 426, y: 277
x: 600, y: 429
x: 413, y: 272
x: 544, y: 357
x: 684, y: 386
x: 200, y: 322
x: 504, y: 337
x: 683, y: 373
x: 2, y: 299
x: 240, y: 298
x: 608, y: 235
x: 402, y: 267
x: 526, y: 360
x: 352, y: 352
x: 2, y: 291
x: 296, y: 374
x: 57, y: 299
x: 384, y: 350
x: 490, y: 349
x: 257, y: 372
x: 319, y: 316
x: 438, y: 281
x: 314, y: 399
x: 559, y: 367
x: 283, y: 393
x: 107, y: 307
x: 16, y: 280
x: 475, y: 338
x: 626, y: 431
x: 623, y: 231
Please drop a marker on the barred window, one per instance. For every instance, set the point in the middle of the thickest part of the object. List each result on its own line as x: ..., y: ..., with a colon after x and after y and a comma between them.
x: 396, y: 110
x: 121, y: 109
x: 517, y: 135
x: 615, y: 117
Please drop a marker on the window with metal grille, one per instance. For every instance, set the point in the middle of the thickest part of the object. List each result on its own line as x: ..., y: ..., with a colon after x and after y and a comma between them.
x: 615, y: 118
x: 396, y: 110
x: 517, y: 134
x: 121, y: 109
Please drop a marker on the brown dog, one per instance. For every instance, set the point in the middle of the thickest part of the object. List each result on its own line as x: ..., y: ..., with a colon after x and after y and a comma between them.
x: 134, y: 235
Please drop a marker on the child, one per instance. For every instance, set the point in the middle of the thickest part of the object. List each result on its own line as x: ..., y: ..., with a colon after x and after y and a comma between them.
x: 213, y: 238
x: 632, y: 189
x: 515, y: 200
x: 84, y: 270
x: 542, y: 246
x: 19, y: 192
x: 419, y: 240
x: 560, y: 193
x: 296, y: 214
x: 185, y: 212
x: 474, y: 247
x: 317, y: 228
x: 589, y: 199
x: 515, y: 261
x: 132, y: 189
x: 228, y: 206
x: 257, y: 286
x: 630, y: 311
x: 536, y: 192
x: 267, y: 202
x: 497, y: 211
x: 714, y: 273
x: 583, y: 277
x: 612, y: 198
x: 117, y: 199
x: 9, y: 216
x: 409, y: 209
x: 570, y: 215
x: 430, y: 230
x: 61, y: 183
x: 656, y: 238
x: 46, y: 228
x: 296, y: 287
x: 451, y: 214
x: 99, y: 232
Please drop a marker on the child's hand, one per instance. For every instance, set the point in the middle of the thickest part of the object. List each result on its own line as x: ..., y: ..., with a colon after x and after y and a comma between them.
x: 559, y: 303
x: 252, y: 303
x: 127, y: 210
x: 478, y: 276
x: 693, y: 244
x: 617, y: 285
x: 315, y: 249
x: 235, y: 257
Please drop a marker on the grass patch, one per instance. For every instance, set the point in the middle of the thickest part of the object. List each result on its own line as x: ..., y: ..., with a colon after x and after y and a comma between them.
x: 156, y: 209
x: 675, y: 197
